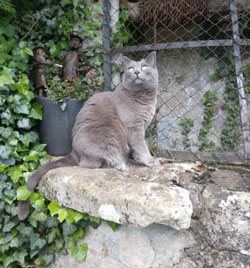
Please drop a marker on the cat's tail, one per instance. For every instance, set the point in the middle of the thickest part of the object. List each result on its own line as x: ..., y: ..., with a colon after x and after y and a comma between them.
x: 24, y: 206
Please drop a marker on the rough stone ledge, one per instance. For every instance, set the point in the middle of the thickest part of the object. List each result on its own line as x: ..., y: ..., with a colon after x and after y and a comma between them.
x: 139, y: 195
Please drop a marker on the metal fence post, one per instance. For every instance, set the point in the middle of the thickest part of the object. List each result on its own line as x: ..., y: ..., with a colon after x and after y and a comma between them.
x: 240, y: 81
x: 106, y: 44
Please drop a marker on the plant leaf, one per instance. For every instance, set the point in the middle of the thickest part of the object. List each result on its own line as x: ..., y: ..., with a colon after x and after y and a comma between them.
x: 23, y: 193
x: 6, y: 77
x: 79, y: 252
x: 36, y: 111
x: 15, y: 174
x: 54, y: 208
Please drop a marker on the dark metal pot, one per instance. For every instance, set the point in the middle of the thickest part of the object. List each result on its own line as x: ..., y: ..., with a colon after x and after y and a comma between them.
x: 56, y: 125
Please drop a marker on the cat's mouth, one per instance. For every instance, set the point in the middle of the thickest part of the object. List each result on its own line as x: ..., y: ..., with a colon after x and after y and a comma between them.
x: 138, y: 80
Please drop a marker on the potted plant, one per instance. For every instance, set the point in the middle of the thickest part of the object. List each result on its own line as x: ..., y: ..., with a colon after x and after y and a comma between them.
x: 61, y: 90
x: 60, y: 108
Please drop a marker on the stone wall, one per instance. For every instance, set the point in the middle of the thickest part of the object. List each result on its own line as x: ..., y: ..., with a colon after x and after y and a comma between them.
x: 184, y: 79
x: 212, y: 232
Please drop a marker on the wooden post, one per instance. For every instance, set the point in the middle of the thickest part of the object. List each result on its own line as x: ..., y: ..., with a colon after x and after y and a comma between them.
x: 240, y: 81
x: 106, y: 44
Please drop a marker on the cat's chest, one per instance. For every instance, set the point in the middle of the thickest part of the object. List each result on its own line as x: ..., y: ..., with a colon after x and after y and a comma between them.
x: 133, y: 114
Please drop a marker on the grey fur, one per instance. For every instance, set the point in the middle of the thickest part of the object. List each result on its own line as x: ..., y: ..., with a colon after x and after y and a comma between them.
x: 111, y: 125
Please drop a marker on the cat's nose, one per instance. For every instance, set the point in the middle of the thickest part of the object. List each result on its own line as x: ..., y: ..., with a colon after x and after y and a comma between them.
x: 137, y: 72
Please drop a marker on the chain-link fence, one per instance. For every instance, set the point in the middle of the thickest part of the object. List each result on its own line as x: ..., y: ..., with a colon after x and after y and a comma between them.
x: 203, y: 58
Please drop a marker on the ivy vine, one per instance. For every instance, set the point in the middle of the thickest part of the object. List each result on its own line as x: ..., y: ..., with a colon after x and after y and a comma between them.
x: 230, y: 134
x: 186, y: 124
x: 50, y: 228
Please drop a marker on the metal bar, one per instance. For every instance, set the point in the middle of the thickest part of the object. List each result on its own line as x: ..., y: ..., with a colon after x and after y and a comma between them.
x: 175, y: 45
x: 240, y: 81
x: 177, y: 155
x: 106, y: 44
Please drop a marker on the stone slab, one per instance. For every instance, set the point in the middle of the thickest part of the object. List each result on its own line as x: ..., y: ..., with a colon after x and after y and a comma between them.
x: 132, y: 196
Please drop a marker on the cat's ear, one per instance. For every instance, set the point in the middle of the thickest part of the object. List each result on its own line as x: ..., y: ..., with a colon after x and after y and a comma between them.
x: 126, y: 61
x: 151, y: 59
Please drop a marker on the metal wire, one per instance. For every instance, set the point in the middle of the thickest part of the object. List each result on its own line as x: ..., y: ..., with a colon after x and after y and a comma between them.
x: 203, y: 57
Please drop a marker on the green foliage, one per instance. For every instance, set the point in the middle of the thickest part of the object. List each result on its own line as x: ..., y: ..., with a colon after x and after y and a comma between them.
x: 230, y: 135
x: 80, y: 88
x: 50, y: 25
x: 122, y: 34
x: 246, y: 74
x: 209, y: 99
x: 49, y: 227
x: 187, y: 124
x: 6, y: 6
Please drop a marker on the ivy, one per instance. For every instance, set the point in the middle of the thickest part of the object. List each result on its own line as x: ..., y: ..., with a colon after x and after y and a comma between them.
x: 209, y: 99
x: 186, y: 124
x: 230, y: 135
x: 50, y: 228
x: 35, y: 240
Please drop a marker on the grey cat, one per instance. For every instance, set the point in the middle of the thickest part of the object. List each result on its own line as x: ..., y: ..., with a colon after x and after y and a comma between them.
x: 111, y: 125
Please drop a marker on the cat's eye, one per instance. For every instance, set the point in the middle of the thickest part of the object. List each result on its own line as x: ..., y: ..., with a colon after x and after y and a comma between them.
x: 144, y: 67
x: 131, y: 69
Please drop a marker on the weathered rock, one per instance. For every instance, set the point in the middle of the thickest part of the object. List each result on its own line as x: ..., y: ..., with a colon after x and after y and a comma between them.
x: 124, y: 197
x: 221, y: 225
x: 217, y: 238
x: 155, y: 246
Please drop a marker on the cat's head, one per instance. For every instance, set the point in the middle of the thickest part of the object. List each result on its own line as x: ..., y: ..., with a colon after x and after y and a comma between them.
x: 141, y: 74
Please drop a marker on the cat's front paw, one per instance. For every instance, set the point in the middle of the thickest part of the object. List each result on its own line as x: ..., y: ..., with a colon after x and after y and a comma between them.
x: 153, y: 162
x: 121, y: 166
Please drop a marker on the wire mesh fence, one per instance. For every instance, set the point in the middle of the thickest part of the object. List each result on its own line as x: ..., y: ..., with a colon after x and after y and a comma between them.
x: 203, y: 58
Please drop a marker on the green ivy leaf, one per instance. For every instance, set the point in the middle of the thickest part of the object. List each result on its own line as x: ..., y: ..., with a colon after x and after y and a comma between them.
x: 40, y: 216
x: 6, y: 132
x: 98, y: 9
x: 54, y: 208
x: 8, y: 226
x: 6, y: 77
x: 5, y: 151
x: 14, y: 243
x: 33, y: 156
x: 15, y: 174
x: 26, y: 231
x: 24, y: 123
x: 20, y: 255
x: 73, y: 216
x: 36, y: 111
x: 13, y: 142
x: 37, y: 243
x: 112, y: 224
x: 7, y: 260
x: 69, y: 229
x: 22, y: 109
x: 95, y: 219
x: 47, y: 259
x: 52, y: 235
x: 35, y: 196
x: 78, y: 234
x: 23, y: 193
x: 8, y: 30
x: 79, y: 252
x: 62, y: 215
x: 25, y: 139
x: 28, y: 51
x: 38, y: 203
x: 2, y: 167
